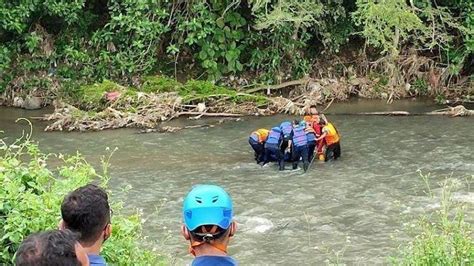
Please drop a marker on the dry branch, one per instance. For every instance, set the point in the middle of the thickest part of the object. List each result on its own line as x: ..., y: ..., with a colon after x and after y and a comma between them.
x: 281, y: 86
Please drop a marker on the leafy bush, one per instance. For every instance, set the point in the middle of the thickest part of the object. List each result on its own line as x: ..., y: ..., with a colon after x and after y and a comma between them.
x: 420, y: 86
x: 31, y: 194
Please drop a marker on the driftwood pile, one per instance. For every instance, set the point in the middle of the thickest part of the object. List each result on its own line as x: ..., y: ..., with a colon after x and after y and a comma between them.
x: 148, y: 110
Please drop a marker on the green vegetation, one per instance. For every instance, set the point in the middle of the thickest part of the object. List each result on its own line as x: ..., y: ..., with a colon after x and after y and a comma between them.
x: 31, y: 194
x: 442, y: 238
x: 44, y: 44
x: 92, y: 97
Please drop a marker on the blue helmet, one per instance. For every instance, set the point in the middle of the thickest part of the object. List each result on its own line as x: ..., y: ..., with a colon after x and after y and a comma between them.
x: 207, y: 205
x: 276, y: 129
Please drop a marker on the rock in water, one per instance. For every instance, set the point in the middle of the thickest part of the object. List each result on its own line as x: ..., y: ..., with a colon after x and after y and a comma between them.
x: 32, y: 103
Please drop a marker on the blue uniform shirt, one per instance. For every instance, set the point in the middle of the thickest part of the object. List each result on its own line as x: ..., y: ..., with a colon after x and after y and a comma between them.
x: 214, y: 261
x: 96, y: 260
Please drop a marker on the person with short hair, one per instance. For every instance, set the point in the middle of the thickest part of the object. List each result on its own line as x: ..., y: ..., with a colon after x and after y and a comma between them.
x: 208, y: 225
x: 313, y: 110
x: 51, y: 248
x: 86, y: 211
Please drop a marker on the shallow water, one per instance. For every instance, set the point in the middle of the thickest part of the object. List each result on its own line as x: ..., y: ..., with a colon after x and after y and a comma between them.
x: 355, y: 210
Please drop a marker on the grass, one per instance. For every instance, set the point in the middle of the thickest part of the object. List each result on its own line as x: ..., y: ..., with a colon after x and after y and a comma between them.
x: 443, y: 237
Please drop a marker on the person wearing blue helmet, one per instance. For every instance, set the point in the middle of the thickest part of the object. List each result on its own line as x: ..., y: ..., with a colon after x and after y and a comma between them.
x: 287, y: 135
x: 273, y: 147
x: 300, y: 145
x: 208, y: 225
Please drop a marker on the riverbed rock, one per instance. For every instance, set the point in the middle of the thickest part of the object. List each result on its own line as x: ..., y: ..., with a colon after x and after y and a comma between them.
x: 17, y: 102
x: 32, y: 103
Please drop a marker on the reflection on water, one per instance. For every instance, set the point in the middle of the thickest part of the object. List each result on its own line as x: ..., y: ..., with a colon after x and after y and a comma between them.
x: 356, y: 205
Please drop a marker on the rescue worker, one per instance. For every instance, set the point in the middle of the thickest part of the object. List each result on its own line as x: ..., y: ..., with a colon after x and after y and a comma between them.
x: 317, y: 128
x: 311, y: 138
x: 208, y: 225
x: 300, y: 145
x: 257, y: 140
x: 320, y: 144
x: 313, y: 110
x: 273, y: 147
x: 331, y: 136
x: 286, y: 129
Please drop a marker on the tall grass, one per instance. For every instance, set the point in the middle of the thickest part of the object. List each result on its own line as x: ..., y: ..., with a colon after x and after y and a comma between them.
x: 443, y: 237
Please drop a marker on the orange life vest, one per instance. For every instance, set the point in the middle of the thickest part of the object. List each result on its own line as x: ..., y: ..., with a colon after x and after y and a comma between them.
x: 262, y: 134
x: 332, y: 134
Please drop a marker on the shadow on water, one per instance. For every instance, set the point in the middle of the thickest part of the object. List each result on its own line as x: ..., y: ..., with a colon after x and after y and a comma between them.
x: 354, y: 205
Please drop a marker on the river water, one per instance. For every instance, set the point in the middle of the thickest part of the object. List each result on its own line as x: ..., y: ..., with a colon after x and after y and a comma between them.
x: 356, y: 210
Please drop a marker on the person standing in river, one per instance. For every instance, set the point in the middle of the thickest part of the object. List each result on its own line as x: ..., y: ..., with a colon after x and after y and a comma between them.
x: 300, y: 144
x: 257, y: 141
x: 273, y: 148
x: 208, y: 225
x: 332, y: 138
x: 313, y: 110
x: 86, y: 211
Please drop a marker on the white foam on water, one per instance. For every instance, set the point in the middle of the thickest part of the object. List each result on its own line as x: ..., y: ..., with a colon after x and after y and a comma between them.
x: 466, y: 197
x: 254, y: 225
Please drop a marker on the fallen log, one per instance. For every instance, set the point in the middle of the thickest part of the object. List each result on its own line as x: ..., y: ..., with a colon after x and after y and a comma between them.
x: 394, y: 113
x: 170, y: 129
x: 210, y: 114
x: 450, y: 111
x: 280, y: 86
x: 455, y: 111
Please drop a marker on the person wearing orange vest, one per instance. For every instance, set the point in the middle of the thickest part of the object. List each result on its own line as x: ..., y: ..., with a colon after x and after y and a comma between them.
x: 332, y: 139
x: 257, y: 141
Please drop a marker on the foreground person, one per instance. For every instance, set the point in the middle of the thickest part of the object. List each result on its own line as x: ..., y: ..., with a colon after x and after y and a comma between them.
x: 208, y: 225
x: 51, y: 248
x: 257, y: 141
x: 86, y: 211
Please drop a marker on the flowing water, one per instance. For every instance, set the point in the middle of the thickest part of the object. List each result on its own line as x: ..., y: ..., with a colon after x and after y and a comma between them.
x: 356, y: 210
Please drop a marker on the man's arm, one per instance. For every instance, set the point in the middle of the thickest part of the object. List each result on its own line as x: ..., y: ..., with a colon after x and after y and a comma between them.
x: 323, y: 135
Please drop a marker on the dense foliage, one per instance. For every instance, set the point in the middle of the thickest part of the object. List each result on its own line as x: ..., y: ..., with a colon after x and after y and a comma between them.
x: 31, y: 195
x: 42, y: 42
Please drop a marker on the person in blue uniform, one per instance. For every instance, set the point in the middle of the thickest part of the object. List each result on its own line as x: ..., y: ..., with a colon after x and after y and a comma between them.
x: 208, y: 225
x: 299, y: 144
x: 273, y: 147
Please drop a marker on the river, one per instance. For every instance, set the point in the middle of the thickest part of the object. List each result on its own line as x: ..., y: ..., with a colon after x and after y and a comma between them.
x: 356, y: 210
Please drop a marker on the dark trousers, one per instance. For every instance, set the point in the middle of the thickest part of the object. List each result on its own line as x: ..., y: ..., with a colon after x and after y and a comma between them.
x: 333, y: 151
x: 277, y: 153
x: 286, y: 156
x: 259, y: 150
x: 300, y: 151
x: 311, y: 147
